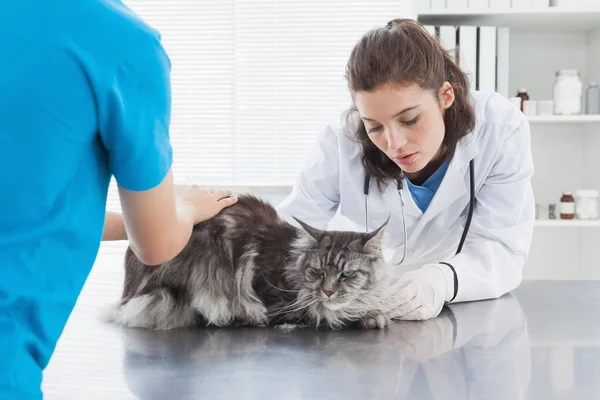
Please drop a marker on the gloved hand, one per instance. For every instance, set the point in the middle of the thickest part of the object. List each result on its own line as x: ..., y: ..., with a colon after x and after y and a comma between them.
x: 421, y: 294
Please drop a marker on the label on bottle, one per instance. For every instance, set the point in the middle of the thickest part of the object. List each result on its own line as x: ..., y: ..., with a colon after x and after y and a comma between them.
x: 567, y: 208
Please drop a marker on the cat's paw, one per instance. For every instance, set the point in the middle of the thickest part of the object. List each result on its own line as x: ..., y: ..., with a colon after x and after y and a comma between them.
x: 377, y: 322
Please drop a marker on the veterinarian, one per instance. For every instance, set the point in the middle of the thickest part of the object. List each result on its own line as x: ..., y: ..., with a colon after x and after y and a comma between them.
x: 85, y: 95
x: 450, y: 169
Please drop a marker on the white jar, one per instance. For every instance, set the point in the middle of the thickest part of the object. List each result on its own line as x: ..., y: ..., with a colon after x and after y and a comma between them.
x: 568, y: 92
x: 586, y: 204
x: 530, y: 107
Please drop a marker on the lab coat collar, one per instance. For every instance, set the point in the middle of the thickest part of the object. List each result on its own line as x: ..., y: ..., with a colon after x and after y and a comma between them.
x: 453, y: 185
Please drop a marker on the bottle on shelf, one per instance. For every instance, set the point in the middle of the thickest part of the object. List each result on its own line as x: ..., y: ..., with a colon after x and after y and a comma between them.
x: 567, y: 205
x: 522, y: 93
x: 593, y: 99
x: 552, y: 211
x: 586, y: 204
x: 568, y: 92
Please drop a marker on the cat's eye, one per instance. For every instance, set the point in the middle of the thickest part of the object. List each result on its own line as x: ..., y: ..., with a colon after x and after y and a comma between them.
x: 348, y: 274
x: 319, y: 272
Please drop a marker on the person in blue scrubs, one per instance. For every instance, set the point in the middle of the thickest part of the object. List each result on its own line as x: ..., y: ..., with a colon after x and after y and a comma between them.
x: 85, y: 96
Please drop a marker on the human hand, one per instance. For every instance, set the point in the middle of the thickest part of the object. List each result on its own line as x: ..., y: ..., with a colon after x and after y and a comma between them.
x: 203, y: 204
x: 421, y: 294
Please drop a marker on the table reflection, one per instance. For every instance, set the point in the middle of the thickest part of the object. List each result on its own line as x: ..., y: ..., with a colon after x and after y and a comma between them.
x: 477, y: 351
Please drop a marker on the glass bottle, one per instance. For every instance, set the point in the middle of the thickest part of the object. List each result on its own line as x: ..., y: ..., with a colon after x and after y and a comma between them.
x: 567, y: 205
x: 522, y: 93
x: 552, y: 211
x: 593, y: 99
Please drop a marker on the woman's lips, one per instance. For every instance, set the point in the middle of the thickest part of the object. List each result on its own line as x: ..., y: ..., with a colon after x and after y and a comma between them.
x: 407, y: 159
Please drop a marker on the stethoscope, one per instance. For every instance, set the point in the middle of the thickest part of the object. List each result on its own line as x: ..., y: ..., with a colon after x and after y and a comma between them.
x: 400, y: 186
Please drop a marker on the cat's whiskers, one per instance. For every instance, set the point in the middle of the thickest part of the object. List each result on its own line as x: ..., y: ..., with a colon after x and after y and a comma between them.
x: 302, y: 316
x: 305, y: 307
x: 275, y: 287
x: 293, y: 307
x: 284, y: 309
x: 297, y: 301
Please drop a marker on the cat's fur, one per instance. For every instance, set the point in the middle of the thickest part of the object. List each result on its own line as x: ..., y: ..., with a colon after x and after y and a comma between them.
x: 248, y: 266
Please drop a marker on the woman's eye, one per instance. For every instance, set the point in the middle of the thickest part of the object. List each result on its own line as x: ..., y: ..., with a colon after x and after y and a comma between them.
x: 411, y: 122
x: 376, y: 129
x: 348, y: 274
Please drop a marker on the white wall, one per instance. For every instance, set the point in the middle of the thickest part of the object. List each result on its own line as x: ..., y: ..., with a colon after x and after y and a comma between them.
x: 593, y: 59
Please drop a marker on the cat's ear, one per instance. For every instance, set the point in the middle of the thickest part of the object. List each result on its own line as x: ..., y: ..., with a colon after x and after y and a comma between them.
x: 313, y: 232
x: 374, y: 239
x: 370, y: 242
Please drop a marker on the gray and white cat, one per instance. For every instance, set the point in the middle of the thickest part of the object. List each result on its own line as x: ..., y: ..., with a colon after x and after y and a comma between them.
x: 247, y: 266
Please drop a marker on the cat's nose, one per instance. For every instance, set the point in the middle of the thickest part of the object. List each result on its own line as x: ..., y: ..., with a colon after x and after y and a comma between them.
x: 328, y: 293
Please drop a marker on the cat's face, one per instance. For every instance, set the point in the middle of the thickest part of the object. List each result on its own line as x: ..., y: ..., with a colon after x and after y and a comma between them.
x: 340, y: 271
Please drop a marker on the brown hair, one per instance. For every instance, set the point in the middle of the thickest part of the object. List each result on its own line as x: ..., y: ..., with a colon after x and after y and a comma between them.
x: 404, y: 53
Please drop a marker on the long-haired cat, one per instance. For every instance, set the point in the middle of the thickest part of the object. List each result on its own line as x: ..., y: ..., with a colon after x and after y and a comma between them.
x: 247, y: 266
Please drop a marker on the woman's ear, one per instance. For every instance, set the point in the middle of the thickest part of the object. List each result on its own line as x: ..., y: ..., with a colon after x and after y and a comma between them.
x: 446, y: 95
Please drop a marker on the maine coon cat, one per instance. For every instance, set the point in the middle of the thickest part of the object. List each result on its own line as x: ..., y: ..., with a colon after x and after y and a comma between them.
x: 247, y: 266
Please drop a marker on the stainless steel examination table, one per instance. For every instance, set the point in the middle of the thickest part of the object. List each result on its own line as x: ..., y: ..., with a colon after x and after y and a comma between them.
x: 540, y: 342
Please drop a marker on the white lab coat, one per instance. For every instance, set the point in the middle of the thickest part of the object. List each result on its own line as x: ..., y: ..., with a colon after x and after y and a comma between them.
x: 500, y: 234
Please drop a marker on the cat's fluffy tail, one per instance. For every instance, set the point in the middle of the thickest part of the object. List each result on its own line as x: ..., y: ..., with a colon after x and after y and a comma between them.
x: 108, y: 313
x: 159, y: 311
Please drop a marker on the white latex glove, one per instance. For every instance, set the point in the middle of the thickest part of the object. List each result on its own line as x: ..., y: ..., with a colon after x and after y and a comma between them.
x: 421, y: 294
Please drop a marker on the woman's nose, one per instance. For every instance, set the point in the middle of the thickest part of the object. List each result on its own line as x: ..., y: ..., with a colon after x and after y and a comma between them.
x: 396, y: 139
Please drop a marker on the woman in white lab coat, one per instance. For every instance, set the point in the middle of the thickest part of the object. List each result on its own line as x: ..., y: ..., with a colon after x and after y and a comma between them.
x: 414, y: 117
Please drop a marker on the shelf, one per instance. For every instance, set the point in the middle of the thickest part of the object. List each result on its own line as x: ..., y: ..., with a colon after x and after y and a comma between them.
x: 551, y: 119
x: 568, y: 223
x: 543, y: 19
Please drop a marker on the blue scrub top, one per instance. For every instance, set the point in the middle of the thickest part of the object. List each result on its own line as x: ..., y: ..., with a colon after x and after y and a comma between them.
x: 423, y: 194
x: 84, y: 95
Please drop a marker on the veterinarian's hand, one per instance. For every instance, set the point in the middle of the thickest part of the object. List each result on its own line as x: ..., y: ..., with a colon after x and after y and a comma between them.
x: 203, y: 204
x: 421, y: 294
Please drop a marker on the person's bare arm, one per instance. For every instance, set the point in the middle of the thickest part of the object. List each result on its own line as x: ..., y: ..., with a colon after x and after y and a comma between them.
x: 114, y: 227
x: 159, y: 221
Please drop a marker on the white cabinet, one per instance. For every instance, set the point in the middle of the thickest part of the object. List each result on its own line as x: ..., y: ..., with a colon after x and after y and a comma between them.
x: 566, y: 150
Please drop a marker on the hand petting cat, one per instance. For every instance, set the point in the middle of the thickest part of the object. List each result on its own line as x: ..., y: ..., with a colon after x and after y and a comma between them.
x: 421, y: 294
x: 204, y: 204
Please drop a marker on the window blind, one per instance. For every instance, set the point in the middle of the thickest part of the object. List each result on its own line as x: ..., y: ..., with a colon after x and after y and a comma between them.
x: 254, y: 81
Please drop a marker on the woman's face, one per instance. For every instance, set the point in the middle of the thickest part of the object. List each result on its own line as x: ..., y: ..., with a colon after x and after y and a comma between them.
x: 406, y: 123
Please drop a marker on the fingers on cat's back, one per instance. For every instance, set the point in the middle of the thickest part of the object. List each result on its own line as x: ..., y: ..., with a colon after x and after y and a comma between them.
x: 228, y: 201
x: 222, y: 194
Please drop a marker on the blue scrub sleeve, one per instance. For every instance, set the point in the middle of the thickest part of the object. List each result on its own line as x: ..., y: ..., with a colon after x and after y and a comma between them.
x: 134, y: 119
